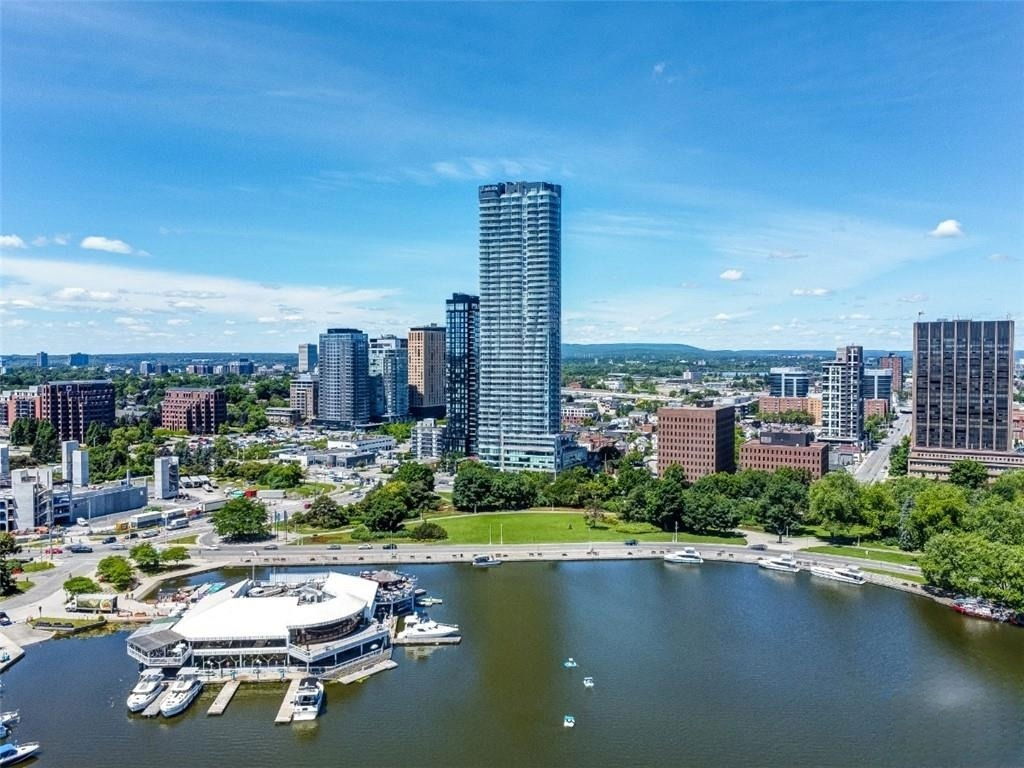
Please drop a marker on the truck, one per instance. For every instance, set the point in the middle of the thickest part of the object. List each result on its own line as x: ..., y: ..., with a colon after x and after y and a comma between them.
x: 206, y: 507
x: 177, y: 523
x: 145, y: 519
x: 99, y: 602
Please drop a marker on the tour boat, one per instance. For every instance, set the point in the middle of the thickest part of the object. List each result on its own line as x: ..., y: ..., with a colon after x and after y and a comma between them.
x: 485, y: 561
x: 588, y: 682
x: 570, y: 663
x: 848, y: 574
x: 569, y: 721
x: 422, y: 627
x: 151, y: 683
x: 308, y: 699
x: 786, y: 563
x: 686, y: 555
x: 15, y: 753
x: 183, y: 690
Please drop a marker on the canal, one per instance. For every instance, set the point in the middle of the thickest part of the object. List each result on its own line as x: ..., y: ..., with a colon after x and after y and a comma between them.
x: 717, y: 665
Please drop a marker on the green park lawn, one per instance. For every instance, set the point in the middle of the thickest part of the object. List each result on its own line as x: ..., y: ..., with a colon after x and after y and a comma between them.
x: 882, y: 555
x: 916, y: 578
x: 185, y: 540
x: 20, y: 588
x: 37, y: 566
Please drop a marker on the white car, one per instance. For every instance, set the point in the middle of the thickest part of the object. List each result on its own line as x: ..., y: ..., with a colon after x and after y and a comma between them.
x: 366, y: 546
x: 214, y: 547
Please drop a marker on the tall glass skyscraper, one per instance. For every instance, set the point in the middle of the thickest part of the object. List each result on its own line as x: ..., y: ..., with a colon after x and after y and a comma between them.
x: 520, y: 325
x: 344, y: 378
x: 462, y: 372
x: 788, y: 382
x: 389, y: 373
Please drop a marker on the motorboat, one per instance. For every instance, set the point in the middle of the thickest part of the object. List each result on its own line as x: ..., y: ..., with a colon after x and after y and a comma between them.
x: 422, y: 627
x: 685, y: 555
x: 183, y: 690
x: 848, y: 574
x: 588, y: 682
x: 15, y: 753
x: 9, y: 718
x: 145, y: 692
x: 485, y: 561
x: 569, y: 721
x: 785, y: 563
x: 570, y: 663
x: 429, y: 601
x: 308, y: 699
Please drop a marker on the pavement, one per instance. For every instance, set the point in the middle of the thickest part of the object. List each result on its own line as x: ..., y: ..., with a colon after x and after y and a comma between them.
x: 875, y: 466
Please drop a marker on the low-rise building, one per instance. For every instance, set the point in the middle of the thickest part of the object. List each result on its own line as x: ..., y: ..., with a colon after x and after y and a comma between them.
x: 71, y: 406
x: 876, y: 407
x: 796, y: 449
x: 935, y: 463
x: 283, y: 417
x: 428, y: 439
x: 700, y: 440
x: 363, y: 444
x: 770, y: 406
x: 303, y: 394
x: 576, y: 414
x: 197, y: 410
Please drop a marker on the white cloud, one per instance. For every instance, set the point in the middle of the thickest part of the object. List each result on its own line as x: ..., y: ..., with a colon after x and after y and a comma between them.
x: 11, y: 241
x: 775, y: 328
x: 855, y: 316
x: 914, y: 298
x: 230, y: 333
x: 948, y: 228
x: 178, y: 321
x: 15, y: 323
x: 182, y: 304
x: 811, y: 291
x: 630, y: 328
x: 266, y: 319
x: 99, y: 243
x: 786, y: 255
x: 81, y: 294
x: 1001, y: 257
x: 732, y: 274
x: 42, y: 240
x: 129, y: 321
x: 658, y: 69
x: 724, y: 316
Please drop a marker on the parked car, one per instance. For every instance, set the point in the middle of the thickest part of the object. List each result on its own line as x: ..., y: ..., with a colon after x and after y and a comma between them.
x: 109, y: 540
x: 53, y: 551
x: 118, y: 545
x: 386, y: 546
x: 150, y: 534
x: 5, y: 620
x: 270, y: 546
x: 631, y: 542
x: 759, y: 547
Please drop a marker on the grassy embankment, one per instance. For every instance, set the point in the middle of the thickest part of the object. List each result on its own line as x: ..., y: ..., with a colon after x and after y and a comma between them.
x: 866, y: 553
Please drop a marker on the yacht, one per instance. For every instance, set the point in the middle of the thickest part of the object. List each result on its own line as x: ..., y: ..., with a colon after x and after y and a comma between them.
x: 786, y: 563
x: 848, y: 574
x: 308, y: 699
x: 588, y: 682
x: 685, y: 555
x: 183, y: 690
x: 569, y: 721
x: 485, y: 561
x: 151, y: 683
x: 15, y: 753
x: 423, y: 627
x: 570, y: 663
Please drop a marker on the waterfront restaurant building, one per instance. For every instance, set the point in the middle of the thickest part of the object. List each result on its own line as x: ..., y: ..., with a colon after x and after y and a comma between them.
x: 322, y: 626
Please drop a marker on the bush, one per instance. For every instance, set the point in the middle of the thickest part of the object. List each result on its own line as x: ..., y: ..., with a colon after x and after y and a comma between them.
x: 80, y: 585
x: 428, y: 532
x: 361, y: 533
x: 636, y: 528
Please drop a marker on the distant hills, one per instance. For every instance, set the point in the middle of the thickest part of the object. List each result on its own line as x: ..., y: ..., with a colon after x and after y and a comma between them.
x: 641, y: 351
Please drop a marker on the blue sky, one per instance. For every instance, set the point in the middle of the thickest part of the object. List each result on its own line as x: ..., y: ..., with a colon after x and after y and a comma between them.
x: 240, y: 176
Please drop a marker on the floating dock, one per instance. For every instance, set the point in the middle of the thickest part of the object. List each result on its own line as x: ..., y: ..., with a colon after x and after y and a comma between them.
x: 153, y: 710
x: 223, y: 698
x: 450, y: 640
x: 284, y: 714
x: 362, y: 674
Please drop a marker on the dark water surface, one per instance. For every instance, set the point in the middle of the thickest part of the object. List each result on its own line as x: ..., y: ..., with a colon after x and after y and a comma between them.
x: 717, y: 665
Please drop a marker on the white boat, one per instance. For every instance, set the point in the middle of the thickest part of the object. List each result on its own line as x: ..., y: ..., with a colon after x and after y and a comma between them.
x: 429, y: 601
x: 485, y: 561
x: 588, y: 682
x: 15, y: 753
x: 685, y: 555
x: 569, y: 721
x: 786, y: 563
x: 151, y: 683
x: 183, y: 690
x: 570, y: 663
x: 422, y: 627
x: 308, y: 699
x: 10, y: 718
x: 848, y: 574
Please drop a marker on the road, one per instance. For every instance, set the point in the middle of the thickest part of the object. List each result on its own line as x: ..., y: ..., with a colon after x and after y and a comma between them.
x: 876, y: 464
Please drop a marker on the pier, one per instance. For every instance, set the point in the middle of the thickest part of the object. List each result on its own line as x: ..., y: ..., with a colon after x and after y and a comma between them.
x: 223, y: 698
x: 284, y: 714
x: 153, y: 710
x: 450, y: 640
x: 362, y: 674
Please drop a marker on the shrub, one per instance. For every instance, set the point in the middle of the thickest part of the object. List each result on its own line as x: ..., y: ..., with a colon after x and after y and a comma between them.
x: 429, y: 532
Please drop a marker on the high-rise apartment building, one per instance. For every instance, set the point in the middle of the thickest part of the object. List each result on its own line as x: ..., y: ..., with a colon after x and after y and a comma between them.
x: 302, y: 396
x: 700, y: 440
x: 426, y: 372
x: 389, y: 378
x: 877, y: 384
x: 71, y: 406
x: 78, y: 360
x: 243, y: 366
x: 42, y: 360
x: 520, y: 325
x: 842, y: 406
x: 788, y: 382
x: 307, y: 358
x: 462, y: 372
x: 894, y: 363
x: 344, y: 359
x: 197, y: 410
x: 963, y: 396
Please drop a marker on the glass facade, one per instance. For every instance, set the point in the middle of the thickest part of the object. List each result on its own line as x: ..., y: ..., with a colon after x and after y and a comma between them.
x: 462, y: 372
x: 344, y: 397
x: 788, y: 382
x: 389, y: 371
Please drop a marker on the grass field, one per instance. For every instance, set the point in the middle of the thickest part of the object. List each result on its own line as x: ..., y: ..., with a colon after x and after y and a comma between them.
x: 36, y: 567
x: 882, y: 555
x: 915, y: 578
x: 185, y: 539
x: 20, y: 588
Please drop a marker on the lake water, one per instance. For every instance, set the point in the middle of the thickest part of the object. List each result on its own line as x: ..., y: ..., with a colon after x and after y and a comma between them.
x: 717, y: 665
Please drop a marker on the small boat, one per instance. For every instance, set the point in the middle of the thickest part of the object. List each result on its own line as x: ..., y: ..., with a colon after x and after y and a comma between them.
x: 308, y: 699
x: 588, y: 682
x: 785, y: 563
x: 570, y: 663
x: 10, y: 718
x: 217, y: 586
x: 687, y: 555
x: 15, y: 753
x: 485, y: 561
x: 183, y: 690
x: 848, y: 574
x: 422, y: 627
x: 569, y: 721
x: 419, y: 592
x: 151, y: 683
x: 429, y: 601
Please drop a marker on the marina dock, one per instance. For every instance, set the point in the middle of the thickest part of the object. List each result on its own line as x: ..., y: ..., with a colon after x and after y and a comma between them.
x: 153, y: 710
x: 361, y: 674
x: 450, y: 640
x: 223, y: 698
x: 284, y: 714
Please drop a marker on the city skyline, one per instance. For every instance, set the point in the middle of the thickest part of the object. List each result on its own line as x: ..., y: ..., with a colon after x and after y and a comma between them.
x: 760, y: 177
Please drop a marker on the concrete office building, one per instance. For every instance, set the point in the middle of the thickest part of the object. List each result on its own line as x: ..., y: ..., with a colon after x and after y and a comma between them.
x: 894, y: 363
x: 67, y: 450
x: 389, y: 379
x: 199, y: 368
x: 243, y: 366
x: 79, y: 468
x: 78, y: 360
x: 788, y: 382
x: 795, y: 449
x: 462, y: 372
x: 428, y: 439
x: 426, y: 372
x: 307, y: 358
x: 877, y: 384
x: 842, y: 406
x: 71, y: 406
x: 166, y: 477
x: 42, y: 360
x: 700, y: 440
x: 344, y: 359
x: 963, y: 396
x: 197, y: 410
x: 302, y: 396
x: 520, y: 326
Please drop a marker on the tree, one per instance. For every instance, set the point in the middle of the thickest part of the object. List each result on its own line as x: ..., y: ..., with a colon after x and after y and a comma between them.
x: 413, y: 472
x: 937, y: 508
x: 429, y: 532
x: 46, y: 445
x: 783, y: 503
x: 669, y: 498
x: 80, y: 585
x: 117, y: 571
x: 23, y: 431
x: 8, y: 544
x: 968, y: 473
x: 836, y: 502
x: 471, y: 490
x: 969, y: 564
x: 241, y: 519
x: 281, y: 476
x: 881, y: 511
x: 385, y: 508
x: 146, y: 557
x: 323, y: 512
x: 175, y: 554
x: 8, y: 584
x: 898, y: 458
x: 97, y: 433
